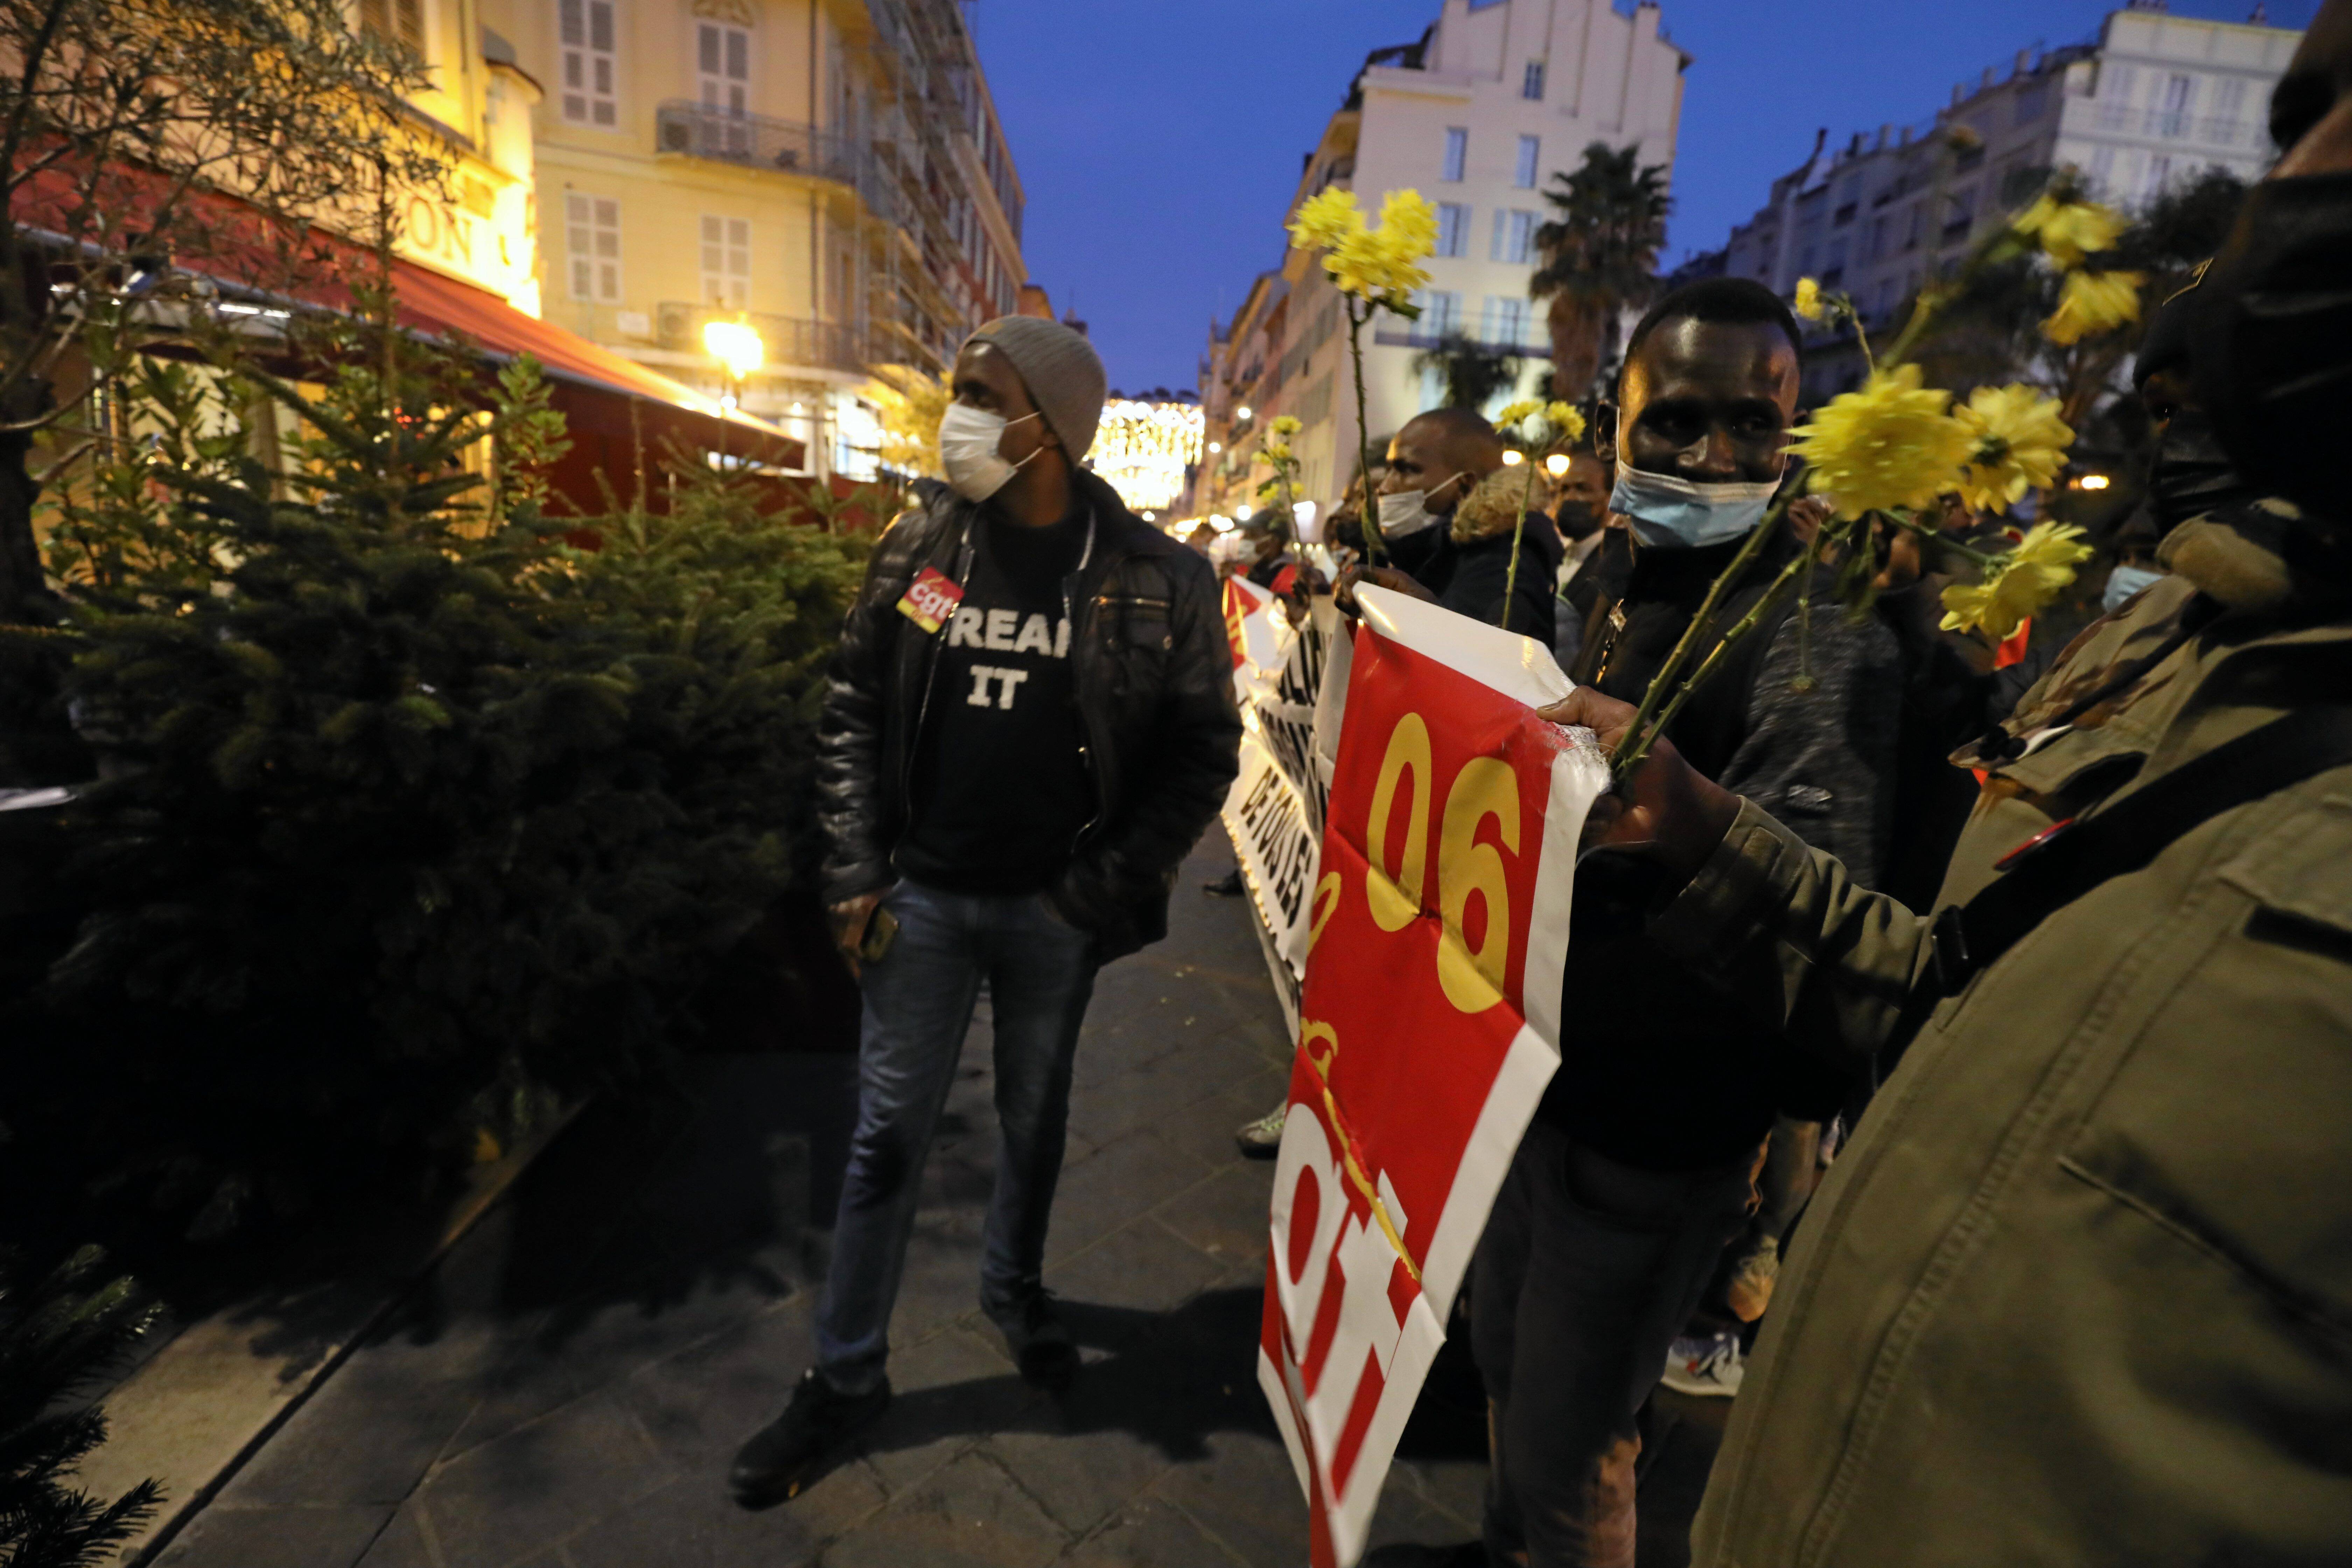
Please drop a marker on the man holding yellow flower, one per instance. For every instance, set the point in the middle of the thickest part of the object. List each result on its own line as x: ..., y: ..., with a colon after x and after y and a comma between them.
x: 2079, y: 1289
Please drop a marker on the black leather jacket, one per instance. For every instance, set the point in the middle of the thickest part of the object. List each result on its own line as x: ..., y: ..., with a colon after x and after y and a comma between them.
x: 1155, y: 692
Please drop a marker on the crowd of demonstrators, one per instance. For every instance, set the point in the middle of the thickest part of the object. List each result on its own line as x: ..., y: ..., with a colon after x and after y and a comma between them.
x: 2076, y: 1290
x: 1030, y: 722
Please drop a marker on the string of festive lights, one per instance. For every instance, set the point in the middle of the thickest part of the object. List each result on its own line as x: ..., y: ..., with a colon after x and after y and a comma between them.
x: 1141, y: 450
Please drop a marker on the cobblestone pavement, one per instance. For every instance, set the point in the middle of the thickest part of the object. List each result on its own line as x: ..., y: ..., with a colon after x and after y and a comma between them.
x: 570, y: 1387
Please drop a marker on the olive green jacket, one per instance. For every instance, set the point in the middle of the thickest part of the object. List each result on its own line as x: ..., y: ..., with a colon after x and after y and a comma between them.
x: 2080, y: 1291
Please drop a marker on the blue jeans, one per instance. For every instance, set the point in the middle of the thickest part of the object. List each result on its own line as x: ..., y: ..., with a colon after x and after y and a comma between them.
x: 918, y: 1001
x: 1586, y: 1273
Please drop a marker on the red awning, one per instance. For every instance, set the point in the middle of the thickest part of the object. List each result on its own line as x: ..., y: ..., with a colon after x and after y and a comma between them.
x: 431, y: 303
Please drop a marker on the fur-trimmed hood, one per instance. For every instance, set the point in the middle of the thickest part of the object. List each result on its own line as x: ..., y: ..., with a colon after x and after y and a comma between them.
x: 1491, y: 508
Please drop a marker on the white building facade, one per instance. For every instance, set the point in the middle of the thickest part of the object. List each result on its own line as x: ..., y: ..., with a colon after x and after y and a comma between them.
x: 2155, y: 102
x: 1496, y: 97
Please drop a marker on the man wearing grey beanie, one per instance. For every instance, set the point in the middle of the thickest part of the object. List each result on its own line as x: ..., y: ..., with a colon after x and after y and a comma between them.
x: 1029, y: 724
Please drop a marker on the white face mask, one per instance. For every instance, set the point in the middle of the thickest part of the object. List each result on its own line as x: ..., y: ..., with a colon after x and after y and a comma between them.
x: 2124, y: 584
x: 969, y: 437
x: 1406, y: 513
x: 1670, y: 512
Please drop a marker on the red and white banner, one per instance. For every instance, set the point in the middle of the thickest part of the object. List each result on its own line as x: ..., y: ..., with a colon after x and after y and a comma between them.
x: 1429, y: 1026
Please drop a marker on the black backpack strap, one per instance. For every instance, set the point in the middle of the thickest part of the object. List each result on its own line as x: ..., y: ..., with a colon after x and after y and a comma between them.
x: 2070, y: 858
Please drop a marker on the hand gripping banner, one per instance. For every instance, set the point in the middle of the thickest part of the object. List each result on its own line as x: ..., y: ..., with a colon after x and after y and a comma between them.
x: 1429, y: 1026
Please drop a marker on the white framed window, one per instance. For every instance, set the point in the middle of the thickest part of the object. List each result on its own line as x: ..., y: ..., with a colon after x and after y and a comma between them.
x: 1514, y: 237
x: 1441, y: 312
x: 725, y: 261
x: 592, y: 241
x: 2159, y: 172
x: 722, y: 60
x: 586, y: 31
x: 1530, y: 151
x: 1504, y: 322
x: 1452, y: 229
x: 1531, y: 86
x: 1457, y: 153
x: 398, y: 21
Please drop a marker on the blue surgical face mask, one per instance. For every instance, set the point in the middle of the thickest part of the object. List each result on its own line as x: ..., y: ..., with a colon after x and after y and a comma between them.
x: 1669, y: 512
x: 2123, y: 583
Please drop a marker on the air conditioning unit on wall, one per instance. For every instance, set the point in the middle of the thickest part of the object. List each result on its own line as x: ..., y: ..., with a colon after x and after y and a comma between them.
x: 676, y: 325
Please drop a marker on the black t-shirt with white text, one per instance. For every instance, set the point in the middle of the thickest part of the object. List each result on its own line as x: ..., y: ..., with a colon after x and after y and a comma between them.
x: 1000, y: 789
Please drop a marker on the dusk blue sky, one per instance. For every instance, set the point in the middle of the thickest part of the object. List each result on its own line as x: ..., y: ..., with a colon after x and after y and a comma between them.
x: 1159, y: 139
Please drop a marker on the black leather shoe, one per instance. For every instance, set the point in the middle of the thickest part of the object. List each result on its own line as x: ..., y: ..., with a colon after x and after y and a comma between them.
x: 784, y: 1453
x: 1040, y: 1342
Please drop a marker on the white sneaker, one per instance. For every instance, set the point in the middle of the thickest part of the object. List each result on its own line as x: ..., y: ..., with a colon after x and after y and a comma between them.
x: 1709, y: 1368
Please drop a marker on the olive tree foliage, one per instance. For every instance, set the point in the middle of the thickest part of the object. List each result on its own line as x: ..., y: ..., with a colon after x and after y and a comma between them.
x: 147, y: 142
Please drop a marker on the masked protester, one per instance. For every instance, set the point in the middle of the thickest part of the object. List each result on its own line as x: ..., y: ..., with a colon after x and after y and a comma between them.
x: 1450, y: 518
x: 1581, y: 512
x: 2079, y: 1288
x: 1031, y: 720
x: 1637, y: 1170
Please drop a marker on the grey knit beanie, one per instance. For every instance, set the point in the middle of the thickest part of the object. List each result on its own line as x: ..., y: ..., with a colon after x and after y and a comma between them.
x: 1062, y: 370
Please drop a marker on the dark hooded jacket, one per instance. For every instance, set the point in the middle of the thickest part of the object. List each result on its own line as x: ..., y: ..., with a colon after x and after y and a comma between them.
x: 1155, y: 697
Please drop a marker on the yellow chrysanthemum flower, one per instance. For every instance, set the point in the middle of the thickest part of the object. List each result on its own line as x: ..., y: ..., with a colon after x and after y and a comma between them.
x: 2019, y: 445
x: 1513, y: 414
x: 1891, y: 444
x: 2091, y: 303
x: 1565, y: 418
x: 1326, y: 219
x: 1382, y: 263
x: 1284, y: 424
x: 1276, y: 451
x: 1807, y: 303
x: 2021, y: 583
x: 2069, y: 231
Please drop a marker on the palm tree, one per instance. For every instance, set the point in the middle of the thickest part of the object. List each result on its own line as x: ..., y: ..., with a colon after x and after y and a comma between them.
x: 1472, y: 372
x: 1600, y: 255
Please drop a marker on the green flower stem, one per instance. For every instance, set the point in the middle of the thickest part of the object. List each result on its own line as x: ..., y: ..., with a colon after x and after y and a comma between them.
x: 1637, y: 734
x: 1518, y: 531
x: 1636, y: 746
x: 1359, y: 312
x: 1941, y: 539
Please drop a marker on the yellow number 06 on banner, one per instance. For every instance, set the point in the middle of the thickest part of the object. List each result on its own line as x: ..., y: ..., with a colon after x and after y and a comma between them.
x: 1471, y: 976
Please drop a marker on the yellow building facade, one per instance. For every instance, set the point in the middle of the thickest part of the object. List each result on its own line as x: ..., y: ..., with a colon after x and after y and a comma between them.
x: 831, y: 172
x: 483, y: 229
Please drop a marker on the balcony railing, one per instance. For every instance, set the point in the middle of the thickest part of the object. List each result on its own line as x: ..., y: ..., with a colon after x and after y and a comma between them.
x: 788, y: 340
x: 754, y: 140
x: 1416, y: 337
x: 2178, y: 125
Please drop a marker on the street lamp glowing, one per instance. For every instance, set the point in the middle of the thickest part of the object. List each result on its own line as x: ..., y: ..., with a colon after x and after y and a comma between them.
x: 1243, y: 414
x: 1513, y: 459
x: 1215, y: 448
x: 2095, y: 482
x: 735, y: 345
x: 1557, y: 464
